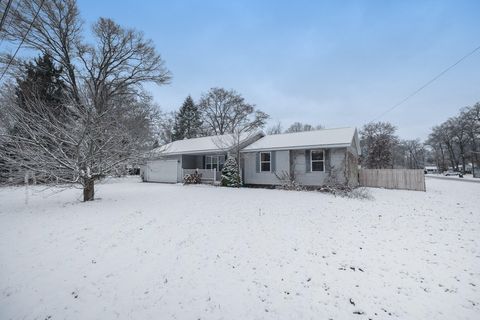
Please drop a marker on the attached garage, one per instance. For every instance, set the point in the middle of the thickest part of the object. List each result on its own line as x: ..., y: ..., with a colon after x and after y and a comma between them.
x: 161, y: 171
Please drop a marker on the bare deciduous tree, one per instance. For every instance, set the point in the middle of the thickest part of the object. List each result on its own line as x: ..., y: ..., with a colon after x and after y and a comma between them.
x: 456, y: 141
x: 55, y: 31
x: 299, y: 127
x: 435, y: 141
x: 233, y: 143
x: 275, y: 129
x: 76, y: 147
x: 471, y: 116
x: 164, y: 127
x: 119, y: 63
x: 106, y: 119
x: 378, y: 140
x: 223, y: 111
x: 409, y: 154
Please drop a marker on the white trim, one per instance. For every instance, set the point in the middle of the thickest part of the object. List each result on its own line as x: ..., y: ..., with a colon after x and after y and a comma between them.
x: 218, y: 162
x: 306, y: 147
x: 322, y: 161
x: 269, y: 162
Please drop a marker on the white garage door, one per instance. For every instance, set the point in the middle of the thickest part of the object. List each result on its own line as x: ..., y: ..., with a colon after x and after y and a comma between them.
x: 161, y: 171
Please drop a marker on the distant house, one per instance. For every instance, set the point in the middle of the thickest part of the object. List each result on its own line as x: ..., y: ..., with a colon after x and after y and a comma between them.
x: 311, y: 158
x: 431, y: 169
x: 468, y: 168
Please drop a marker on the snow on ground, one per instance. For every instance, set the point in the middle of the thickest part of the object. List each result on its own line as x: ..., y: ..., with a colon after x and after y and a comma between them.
x: 157, y: 251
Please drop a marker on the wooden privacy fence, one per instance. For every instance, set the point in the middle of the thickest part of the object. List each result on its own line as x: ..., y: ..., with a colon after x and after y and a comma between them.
x: 408, y: 179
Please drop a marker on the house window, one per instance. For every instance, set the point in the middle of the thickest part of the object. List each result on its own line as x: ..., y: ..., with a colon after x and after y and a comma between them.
x: 208, y: 162
x: 214, y: 162
x: 318, y: 160
x: 265, y: 161
x: 221, y: 161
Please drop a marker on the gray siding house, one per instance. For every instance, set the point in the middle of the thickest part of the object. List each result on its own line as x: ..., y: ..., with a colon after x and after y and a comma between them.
x: 312, y: 158
x: 206, y: 155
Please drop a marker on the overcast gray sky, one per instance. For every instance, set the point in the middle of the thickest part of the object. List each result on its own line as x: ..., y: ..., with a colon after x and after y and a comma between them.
x: 336, y: 63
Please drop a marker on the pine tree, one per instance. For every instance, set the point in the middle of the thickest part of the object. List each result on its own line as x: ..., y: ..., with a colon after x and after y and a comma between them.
x: 187, y: 121
x: 42, y: 80
x: 230, y: 173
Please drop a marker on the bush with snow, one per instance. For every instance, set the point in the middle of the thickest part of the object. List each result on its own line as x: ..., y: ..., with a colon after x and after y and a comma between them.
x: 231, y: 173
x: 288, y: 182
x: 347, y: 192
x: 193, y: 178
x: 358, y: 193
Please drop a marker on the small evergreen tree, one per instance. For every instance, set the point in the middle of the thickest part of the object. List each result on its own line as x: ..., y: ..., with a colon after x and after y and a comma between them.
x: 187, y: 121
x: 231, y: 174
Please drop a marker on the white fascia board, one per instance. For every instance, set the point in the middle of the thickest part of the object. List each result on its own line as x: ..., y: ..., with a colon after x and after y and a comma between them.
x: 318, y: 146
x: 193, y: 152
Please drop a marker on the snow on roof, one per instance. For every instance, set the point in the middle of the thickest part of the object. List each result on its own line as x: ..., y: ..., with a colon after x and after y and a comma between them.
x: 210, y: 144
x: 338, y: 137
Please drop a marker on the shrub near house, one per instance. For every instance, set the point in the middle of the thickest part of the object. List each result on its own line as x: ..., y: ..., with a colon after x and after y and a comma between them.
x: 231, y: 173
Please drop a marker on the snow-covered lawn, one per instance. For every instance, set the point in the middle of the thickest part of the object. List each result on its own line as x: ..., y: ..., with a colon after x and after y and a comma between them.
x: 156, y: 251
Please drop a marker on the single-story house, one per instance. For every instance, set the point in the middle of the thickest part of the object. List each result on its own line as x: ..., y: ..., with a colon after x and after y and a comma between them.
x: 311, y: 158
x: 431, y: 169
x: 171, y: 162
x: 468, y: 168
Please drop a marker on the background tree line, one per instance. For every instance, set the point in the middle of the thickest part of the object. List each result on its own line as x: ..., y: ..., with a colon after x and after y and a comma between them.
x: 453, y: 144
x: 219, y: 111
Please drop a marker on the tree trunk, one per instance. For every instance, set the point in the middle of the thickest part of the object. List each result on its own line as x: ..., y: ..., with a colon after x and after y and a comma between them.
x: 475, y: 164
x: 453, y: 160
x: 89, y: 190
x: 443, y: 157
x: 474, y: 152
x: 462, y: 156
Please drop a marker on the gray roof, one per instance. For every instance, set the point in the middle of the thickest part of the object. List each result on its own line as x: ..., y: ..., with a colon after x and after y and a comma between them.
x: 203, y: 145
x: 324, y: 138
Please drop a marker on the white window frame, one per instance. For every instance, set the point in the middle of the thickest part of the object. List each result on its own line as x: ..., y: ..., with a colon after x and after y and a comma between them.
x: 214, y: 159
x: 208, y: 161
x: 269, y: 162
x: 312, y: 161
